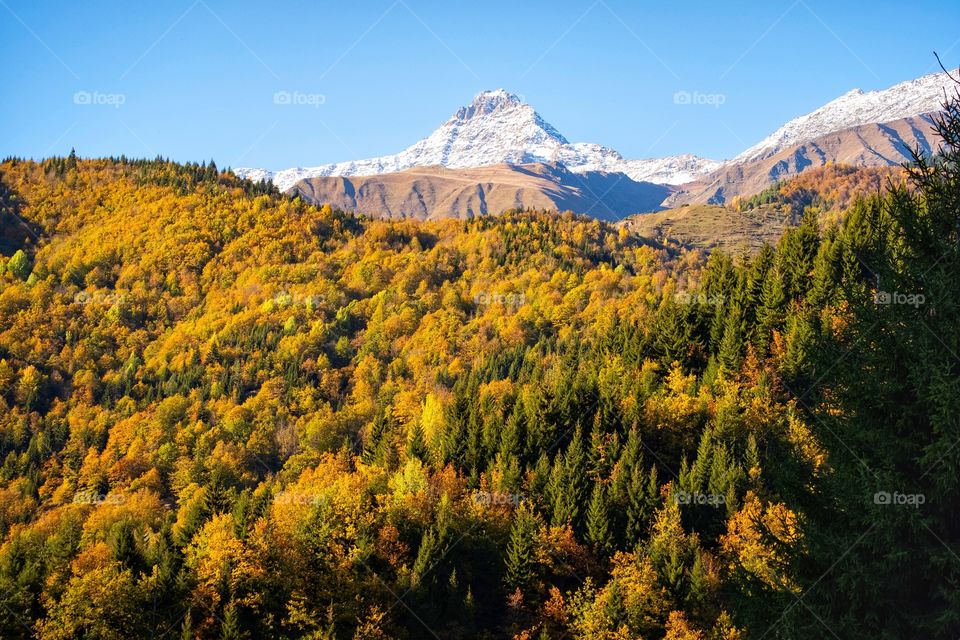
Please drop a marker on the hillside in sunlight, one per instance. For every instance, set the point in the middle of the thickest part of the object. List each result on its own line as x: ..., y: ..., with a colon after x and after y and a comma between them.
x: 745, y: 225
x: 228, y: 413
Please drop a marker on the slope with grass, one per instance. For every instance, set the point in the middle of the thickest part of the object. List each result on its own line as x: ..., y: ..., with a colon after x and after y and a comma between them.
x: 436, y: 192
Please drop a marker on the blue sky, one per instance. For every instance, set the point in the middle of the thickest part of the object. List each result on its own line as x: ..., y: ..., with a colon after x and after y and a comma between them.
x: 196, y: 79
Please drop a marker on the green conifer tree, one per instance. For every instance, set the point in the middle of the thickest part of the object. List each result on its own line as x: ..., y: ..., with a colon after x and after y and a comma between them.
x: 598, y: 526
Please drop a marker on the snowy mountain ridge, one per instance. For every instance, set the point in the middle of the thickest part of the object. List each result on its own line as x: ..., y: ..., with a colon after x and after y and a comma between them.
x: 497, y: 127
x: 855, y: 108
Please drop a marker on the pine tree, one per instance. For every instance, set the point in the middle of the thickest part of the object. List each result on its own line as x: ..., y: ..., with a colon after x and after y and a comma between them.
x: 186, y: 629
x: 730, y: 352
x: 796, y: 254
x: 698, y: 595
x: 417, y: 445
x: 887, y: 379
x: 558, y: 492
x: 772, y: 310
x: 520, y: 563
x: 373, y: 449
x: 123, y: 545
x: 756, y: 279
x: 230, y: 625
x: 425, y: 558
x: 512, y: 437
x: 576, y: 476
x: 598, y: 528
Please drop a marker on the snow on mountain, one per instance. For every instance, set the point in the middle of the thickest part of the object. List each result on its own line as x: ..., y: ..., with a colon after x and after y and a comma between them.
x: 498, y: 127
x: 855, y: 108
x: 587, y: 156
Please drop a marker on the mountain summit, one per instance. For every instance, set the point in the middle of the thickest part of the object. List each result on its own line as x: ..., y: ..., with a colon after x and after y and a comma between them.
x: 498, y: 127
x: 488, y: 102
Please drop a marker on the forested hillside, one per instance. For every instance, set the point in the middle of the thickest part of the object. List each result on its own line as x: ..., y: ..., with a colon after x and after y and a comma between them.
x: 832, y: 188
x: 746, y: 224
x: 228, y: 414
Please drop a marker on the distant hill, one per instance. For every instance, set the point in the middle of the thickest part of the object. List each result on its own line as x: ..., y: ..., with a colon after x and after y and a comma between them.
x: 746, y: 223
x: 707, y: 226
x: 437, y: 192
x: 831, y: 188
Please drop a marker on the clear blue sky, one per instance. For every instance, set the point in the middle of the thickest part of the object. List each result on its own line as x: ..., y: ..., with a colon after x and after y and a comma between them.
x: 197, y: 78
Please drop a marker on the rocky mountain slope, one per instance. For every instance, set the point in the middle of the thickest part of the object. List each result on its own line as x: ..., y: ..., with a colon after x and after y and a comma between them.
x: 438, y: 192
x: 867, y: 129
x: 868, y: 145
x: 853, y: 109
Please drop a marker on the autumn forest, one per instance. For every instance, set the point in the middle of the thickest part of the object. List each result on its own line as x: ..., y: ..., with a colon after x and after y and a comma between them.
x: 227, y: 413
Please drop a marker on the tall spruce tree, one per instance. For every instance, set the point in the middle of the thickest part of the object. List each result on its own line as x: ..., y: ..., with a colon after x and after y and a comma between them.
x: 598, y: 524
x: 519, y: 560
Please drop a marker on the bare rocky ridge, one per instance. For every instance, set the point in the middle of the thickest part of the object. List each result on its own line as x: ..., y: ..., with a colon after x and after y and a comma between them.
x: 438, y: 192
x: 856, y: 108
x: 869, y: 145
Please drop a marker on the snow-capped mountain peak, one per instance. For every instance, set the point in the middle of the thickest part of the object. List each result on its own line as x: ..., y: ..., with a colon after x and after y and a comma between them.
x: 855, y: 108
x: 499, y: 127
x: 487, y: 102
